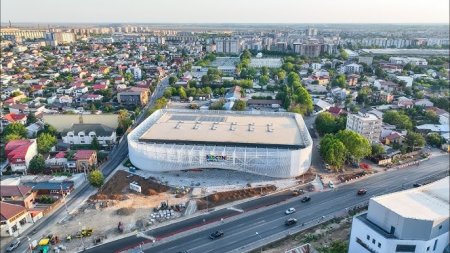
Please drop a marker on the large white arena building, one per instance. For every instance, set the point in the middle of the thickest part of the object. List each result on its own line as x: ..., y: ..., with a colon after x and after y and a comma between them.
x: 264, y: 143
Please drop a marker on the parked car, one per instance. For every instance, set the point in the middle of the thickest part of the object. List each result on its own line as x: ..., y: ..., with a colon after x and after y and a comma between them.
x: 290, y: 222
x: 417, y: 185
x: 217, y: 234
x: 290, y: 211
x: 362, y: 191
x: 331, y: 185
x: 306, y: 199
x: 13, y: 245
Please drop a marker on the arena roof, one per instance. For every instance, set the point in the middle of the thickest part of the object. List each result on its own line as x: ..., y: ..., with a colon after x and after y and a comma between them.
x: 226, y: 129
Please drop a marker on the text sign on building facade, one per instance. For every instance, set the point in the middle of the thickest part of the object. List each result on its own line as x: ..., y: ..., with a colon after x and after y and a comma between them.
x: 216, y: 158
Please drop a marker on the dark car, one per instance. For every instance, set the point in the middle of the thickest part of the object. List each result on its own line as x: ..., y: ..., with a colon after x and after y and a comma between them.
x: 362, y: 191
x: 306, y: 199
x: 417, y: 185
x: 216, y: 234
x: 13, y: 245
x: 290, y: 221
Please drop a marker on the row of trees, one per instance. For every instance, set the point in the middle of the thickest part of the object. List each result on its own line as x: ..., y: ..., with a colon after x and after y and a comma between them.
x: 344, y: 146
x: 295, y: 97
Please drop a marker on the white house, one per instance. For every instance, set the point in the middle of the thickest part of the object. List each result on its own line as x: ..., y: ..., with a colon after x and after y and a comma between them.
x: 423, y: 103
x: 353, y: 68
x: 407, y: 79
x: 415, y: 220
x: 85, y: 133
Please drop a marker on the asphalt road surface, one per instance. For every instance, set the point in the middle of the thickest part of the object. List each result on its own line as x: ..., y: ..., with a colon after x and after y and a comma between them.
x: 240, y: 232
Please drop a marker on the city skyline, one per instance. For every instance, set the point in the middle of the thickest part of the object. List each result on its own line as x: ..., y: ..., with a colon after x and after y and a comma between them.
x: 233, y: 11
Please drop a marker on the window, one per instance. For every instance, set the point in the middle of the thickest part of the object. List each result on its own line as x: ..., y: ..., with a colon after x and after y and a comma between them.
x: 368, y: 237
x: 440, y: 226
x: 405, y: 248
x: 392, y: 230
x: 373, y: 241
x: 364, y: 245
x: 435, y: 244
x: 428, y: 248
x: 379, y: 245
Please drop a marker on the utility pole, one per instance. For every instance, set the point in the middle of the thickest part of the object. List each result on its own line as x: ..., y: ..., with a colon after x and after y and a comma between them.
x: 64, y: 199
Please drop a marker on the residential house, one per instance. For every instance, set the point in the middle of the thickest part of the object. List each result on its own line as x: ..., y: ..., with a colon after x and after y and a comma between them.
x: 52, y: 188
x: 133, y: 96
x: 391, y: 137
x: 382, y: 96
x: 320, y: 105
x: 85, y: 160
x: 15, y: 118
x: 57, y: 162
x: 18, y: 194
x: 19, y: 154
x: 404, y: 102
x: 336, y: 111
x: 264, y: 103
x: 387, y: 86
x: 339, y: 93
x: 12, y: 219
x: 84, y: 134
x: 90, y: 98
x: 352, y: 79
x: 407, y: 79
x: 423, y: 103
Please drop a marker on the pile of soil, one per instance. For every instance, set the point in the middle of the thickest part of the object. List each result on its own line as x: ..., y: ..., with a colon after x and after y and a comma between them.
x: 120, y: 182
x: 346, y: 177
x: 221, y: 198
x: 125, y: 211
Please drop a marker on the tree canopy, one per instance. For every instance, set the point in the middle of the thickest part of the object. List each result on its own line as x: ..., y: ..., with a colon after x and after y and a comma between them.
x: 239, y: 105
x: 398, y: 119
x: 414, y: 140
x: 96, y: 178
x: 37, y: 164
x: 45, y: 142
x: 357, y: 145
x: 327, y: 123
x: 16, y: 129
x: 333, y: 151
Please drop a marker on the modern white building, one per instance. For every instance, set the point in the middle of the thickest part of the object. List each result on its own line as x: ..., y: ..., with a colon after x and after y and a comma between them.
x: 415, y: 221
x: 271, y: 144
x: 406, y: 60
x: 136, y: 71
x: 85, y: 133
x: 353, y: 68
x: 366, y: 124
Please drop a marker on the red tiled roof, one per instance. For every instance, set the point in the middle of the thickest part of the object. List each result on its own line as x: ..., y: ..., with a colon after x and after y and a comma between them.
x: 60, y: 155
x: 99, y: 87
x: 14, y: 190
x: 335, y: 110
x: 13, y: 117
x: 7, y: 210
x: 17, y: 149
x: 83, y: 154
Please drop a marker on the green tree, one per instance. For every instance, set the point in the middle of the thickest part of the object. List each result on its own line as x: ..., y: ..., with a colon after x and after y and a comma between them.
x: 414, y: 140
x: 37, y: 164
x: 325, y: 123
x: 264, y: 70
x: 172, y: 80
x: 357, y: 145
x: 293, y: 78
x: 434, y: 139
x: 45, y: 142
x: 167, y: 92
x: 239, y: 105
x: 377, y: 149
x: 281, y: 75
x: 16, y: 129
x: 96, y: 178
x: 31, y: 118
x: 182, y: 93
x: 398, y: 119
x: 333, y: 151
x: 124, y: 120
x: 339, y: 81
x: 264, y: 79
x: 12, y: 137
x: 95, y: 145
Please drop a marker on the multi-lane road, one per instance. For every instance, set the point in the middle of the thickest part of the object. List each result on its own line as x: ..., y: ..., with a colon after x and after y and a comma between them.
x: 240, y: 230
x: 116, y: 156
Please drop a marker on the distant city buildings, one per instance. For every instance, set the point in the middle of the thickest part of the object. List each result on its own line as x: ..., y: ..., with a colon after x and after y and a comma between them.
x: 228, y: 46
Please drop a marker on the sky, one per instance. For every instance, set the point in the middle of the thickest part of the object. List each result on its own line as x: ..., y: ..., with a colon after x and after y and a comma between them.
x: 225, y: 11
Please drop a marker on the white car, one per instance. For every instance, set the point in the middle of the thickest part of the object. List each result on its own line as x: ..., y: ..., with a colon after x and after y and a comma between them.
x: 290, y: 210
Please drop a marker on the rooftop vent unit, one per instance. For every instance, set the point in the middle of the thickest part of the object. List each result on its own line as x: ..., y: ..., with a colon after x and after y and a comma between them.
x: 251, y: 127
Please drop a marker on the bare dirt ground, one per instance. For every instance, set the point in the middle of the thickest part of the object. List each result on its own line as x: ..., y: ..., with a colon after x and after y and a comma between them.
x: 115, y: 203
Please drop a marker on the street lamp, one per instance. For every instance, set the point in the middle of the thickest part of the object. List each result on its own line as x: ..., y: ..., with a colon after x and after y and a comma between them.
x: 261, y: 239
x: 64, y: 199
